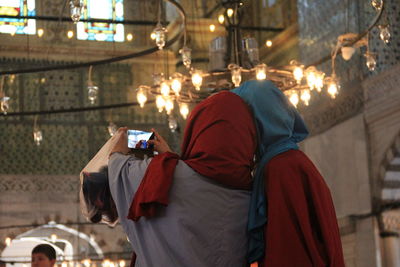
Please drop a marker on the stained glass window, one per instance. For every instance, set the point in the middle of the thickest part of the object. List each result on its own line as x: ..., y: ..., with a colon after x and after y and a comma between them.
x: 17, y: 8
x: 102, y: 9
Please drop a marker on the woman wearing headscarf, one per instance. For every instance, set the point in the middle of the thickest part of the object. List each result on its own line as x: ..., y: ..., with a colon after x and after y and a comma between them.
x: 190, y: 210
x: 292, y: 220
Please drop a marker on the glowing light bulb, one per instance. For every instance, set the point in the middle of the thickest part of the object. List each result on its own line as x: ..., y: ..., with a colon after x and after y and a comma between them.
x: 40, y: 32
x: 377, y: 4
x: 160, y: 36
x: 305, y: 96
x: 236, y: 74
x: 172, y: 124
x: 64, y: 264
x: 7, y: 241
x: 261, y: 72
x: 164, y: 89
x: 129, y: 37
x: 370, y: 60
x: 141, y: 95
x: 268, y: 43
x: 76, y: 10
x: 184, y: 110
x: 384, y: 33
x: 153, y: 36
x: 38, y: 138
x: 333, y: 86
x: 294, y: 99
x: 70, y: 34
x: 197, y: 79
x: 311, y: 77
x: 122, y: 263
x: 319, y: 81
x: 169, y: 105
x: 298, y: 71
x: 112, y: 128
x: 4, y: 105
x: 53, y: 238
x: 229, y: 12
x: 86, y: 262
x: 212, y: 27
x: 186, y: 56
x: 92, y: 93
x: 160, y: 103
x: 176, y: 83
x: 221, y: 19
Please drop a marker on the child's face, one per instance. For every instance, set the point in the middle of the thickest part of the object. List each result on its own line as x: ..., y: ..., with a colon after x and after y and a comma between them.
x: 41, y: 260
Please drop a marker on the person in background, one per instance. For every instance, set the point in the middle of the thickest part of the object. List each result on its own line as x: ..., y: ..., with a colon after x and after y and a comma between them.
x: 189, y: 210
x: 43, y: 255
x: 292, y: 220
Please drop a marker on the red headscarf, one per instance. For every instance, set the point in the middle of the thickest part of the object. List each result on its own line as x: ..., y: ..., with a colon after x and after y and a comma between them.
x: 219, y: 143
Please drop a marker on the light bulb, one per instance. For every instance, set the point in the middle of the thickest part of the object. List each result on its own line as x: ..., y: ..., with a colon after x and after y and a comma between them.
x: 319, y: 81
x: 86, y: 262
x: 106, y: 263
x: 268, y: 43
x: 112, y: 128
x: 261, y: 72
x: 40, y: 32
x: 169, y: 105
x: 141, y: 95
x: 311, y: 77
x: 298, y: 74
x: 53, y: 238
x: 8, y: 241
x: 92, y: 93
x: 37, y: 137
x: 184, y: 110
x: 236, y: 74
x: 197, y: 79
x: 305, y: 96
x: 4, y: 105
x: 294, y: 99
x: 370, y: 60
x: 229, y: 12
x: 64, y: 264
x: 176, y: 83
x: 221, y: 19
x: 129, y: 37
x: 186, y: 56
x: 333, y: 86
x: 160, y: 103
x: 172, y: 124
x: 164, y: 89
x: 377, y: 4
x: 76, y: 10
x: 153, y: 36
x: 298, y: 71
x: 122, y: 263
x: 384, y: 33
x: 212, y: 27
x: 70, y: 34
x: 160, y: 36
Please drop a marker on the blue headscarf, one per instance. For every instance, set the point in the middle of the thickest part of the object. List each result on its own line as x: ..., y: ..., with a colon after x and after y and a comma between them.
x: 279, y: 127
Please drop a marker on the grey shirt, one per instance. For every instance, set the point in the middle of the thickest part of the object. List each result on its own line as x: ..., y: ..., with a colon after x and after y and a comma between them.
x: 204, y: 224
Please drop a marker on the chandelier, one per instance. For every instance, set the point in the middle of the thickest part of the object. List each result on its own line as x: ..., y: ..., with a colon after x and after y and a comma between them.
x: 234, y: 59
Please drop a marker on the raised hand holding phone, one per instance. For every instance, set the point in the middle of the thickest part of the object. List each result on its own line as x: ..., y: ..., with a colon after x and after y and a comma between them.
x: 121, y: 145
x: 160, y: 145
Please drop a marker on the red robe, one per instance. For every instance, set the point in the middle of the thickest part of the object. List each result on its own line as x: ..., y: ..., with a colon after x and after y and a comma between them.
x: 302, y: 228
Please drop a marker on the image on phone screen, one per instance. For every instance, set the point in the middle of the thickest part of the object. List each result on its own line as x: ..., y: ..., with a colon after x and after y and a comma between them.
x: 139, y: 139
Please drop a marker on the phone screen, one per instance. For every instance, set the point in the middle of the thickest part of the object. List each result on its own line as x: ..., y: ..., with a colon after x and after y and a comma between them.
x: 139, y: 139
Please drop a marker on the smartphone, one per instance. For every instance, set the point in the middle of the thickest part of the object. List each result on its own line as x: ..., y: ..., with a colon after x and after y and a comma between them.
x: 139, y: 140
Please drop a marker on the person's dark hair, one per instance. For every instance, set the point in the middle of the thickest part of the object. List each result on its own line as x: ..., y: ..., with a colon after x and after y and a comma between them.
x: 46, y: 249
